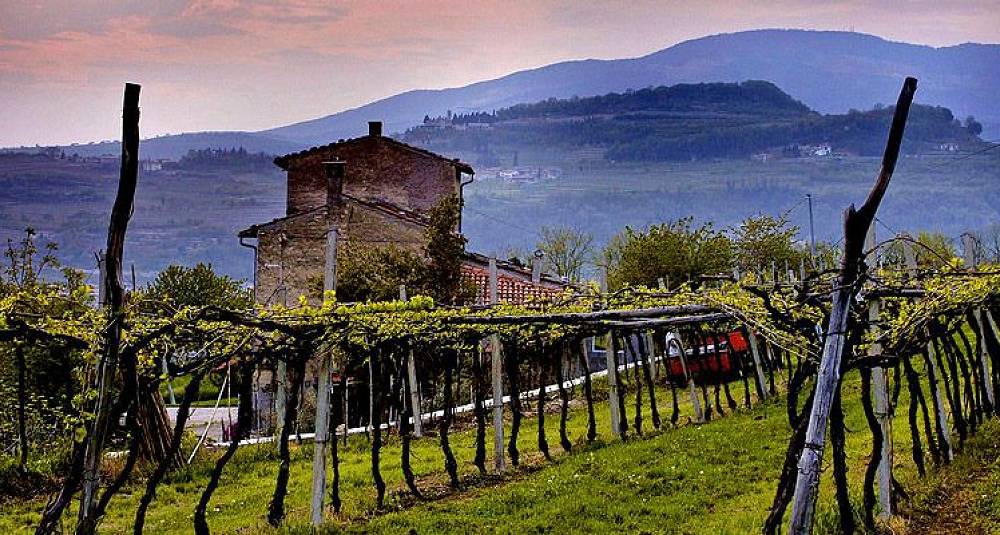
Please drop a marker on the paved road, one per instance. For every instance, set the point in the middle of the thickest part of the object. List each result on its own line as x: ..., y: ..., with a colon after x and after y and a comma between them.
x: 200, y: 417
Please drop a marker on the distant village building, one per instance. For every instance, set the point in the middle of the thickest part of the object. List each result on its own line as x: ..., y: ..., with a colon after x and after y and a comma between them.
x: 372, y: 190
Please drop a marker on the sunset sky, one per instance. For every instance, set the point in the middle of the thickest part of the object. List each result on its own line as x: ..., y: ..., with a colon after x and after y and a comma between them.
x: 247, y: 65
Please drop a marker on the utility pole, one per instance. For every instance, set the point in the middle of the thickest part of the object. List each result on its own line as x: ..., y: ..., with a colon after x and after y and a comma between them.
x: 812, y: 229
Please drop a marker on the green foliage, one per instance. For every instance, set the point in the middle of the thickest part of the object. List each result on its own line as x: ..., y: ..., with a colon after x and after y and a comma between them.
x: 762, y: 241
x: 932, y: 250
x: 197, y: 286
x: 444, y: 249
x: 29, y: 288
x: 675, y: 251
x: 567, y: 251
x: 370, y: 273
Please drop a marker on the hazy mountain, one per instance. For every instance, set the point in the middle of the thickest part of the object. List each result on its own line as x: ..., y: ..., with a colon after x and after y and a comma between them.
x: 831, y: 72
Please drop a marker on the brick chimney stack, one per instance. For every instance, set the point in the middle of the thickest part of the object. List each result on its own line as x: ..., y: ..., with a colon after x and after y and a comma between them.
x: 335, y: 171
x: 374, y: 128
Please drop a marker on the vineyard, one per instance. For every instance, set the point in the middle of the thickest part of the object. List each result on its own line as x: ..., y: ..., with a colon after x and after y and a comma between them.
x: 443, y: 378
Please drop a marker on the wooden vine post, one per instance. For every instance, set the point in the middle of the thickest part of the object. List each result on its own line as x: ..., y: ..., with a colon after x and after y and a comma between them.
x: 497, y: 370
x: 755, y: 352
x: 699, y: 414
x: 856, y: 225
x: 883, y: 409
x: 933, y: 375
x: 612, y: 367
x: 114, y: 291
x: 411, y: 378
x: 322, y: 425
x: 969, y: 252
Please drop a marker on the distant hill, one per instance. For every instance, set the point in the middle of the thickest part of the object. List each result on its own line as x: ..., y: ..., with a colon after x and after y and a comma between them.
x: 831, y: 72
x: 176, y: 146
x: 685, y: 122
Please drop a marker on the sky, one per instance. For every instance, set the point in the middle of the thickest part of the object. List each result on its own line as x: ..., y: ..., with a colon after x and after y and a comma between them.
x: 250, y: 65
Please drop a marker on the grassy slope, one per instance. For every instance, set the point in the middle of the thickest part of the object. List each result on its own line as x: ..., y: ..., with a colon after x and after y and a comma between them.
x: 717, y: 477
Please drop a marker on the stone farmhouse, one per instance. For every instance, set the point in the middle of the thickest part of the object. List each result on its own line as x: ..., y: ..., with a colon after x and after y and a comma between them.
x: 372, y: 190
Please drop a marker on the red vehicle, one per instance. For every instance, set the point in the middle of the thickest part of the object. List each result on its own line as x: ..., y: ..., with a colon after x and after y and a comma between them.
x: 716, y: 358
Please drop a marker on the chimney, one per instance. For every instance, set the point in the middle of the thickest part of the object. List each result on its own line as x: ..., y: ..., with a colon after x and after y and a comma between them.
x: 334, y: 171
x: 375, y: 128
x: 536, y: 266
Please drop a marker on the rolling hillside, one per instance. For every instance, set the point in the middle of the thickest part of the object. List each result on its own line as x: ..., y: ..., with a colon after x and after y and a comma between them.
x: 686, y: 122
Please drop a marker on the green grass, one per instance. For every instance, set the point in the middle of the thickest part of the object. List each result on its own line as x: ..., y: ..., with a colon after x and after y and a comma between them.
x: 718, y: 477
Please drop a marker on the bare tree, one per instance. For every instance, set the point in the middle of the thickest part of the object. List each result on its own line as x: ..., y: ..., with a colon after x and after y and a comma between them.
x: 566, y: 251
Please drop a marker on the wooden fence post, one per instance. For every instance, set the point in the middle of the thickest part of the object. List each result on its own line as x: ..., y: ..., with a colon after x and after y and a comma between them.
x: 496, y: 357
x: 322, y: 425
x: 411, y: 377
x: 969, y: 251
x: 755, y: 351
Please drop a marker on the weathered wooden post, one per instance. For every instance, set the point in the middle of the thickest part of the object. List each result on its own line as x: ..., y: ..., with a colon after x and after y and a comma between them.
x: 755, y: 352
x: 969, y: 252
x: 883, y: 410
x: 941, y: 420
x: 496, y: 357
x: 612, y: 367
x: 115, y: 299
x: 856, y: 224
x: 411, y: 377
x: 699, y: 415
x: 322, y: 425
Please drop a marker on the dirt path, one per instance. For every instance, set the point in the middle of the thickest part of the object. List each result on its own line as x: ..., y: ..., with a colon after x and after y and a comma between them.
x: 963, y: 498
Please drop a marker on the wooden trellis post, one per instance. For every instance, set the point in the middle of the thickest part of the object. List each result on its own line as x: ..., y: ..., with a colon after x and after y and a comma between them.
x: 883, y: 413
x: 411, y: 377
x: 856, y: 225
x: 969, y: 250
x: 755, y: 351
x: 933, y: 375
x: 699, y: 415
x: 322, y: 425
x: 611, y: 359
x: 497, y: 368
x: 613, y: 401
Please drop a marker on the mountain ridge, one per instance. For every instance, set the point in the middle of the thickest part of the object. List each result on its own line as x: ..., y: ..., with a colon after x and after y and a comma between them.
x: 830, y: 71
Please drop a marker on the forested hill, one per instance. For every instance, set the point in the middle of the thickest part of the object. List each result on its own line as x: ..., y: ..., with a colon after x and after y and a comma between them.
x: 687, y: 122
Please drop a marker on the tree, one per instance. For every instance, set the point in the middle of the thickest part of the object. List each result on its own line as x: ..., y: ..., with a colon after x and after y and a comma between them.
x: 988, y: 241
x: 368, y: 273
x: 675, y: 251
x: 566, y: 251
x: 38, y: 378
x: 444, y: 249
x: 765, y: 241
x: 197, y: 286
x: 973, y: 126
x: 932, y: 250
x: 176, y: 287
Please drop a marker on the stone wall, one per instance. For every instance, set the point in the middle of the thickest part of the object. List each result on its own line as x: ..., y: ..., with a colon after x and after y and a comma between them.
x: 376, y: 168
x: 291, y: 252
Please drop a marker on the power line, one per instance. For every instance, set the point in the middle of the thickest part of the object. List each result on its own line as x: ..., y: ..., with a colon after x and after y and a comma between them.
x: 501, y: 221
